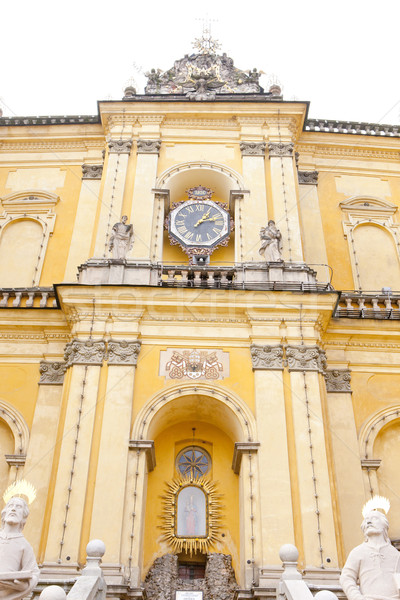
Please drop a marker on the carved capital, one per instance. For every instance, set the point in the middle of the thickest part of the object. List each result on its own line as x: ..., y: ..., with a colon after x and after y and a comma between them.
x: 252, y: 148
x: 92, y: 171
x: 338, y: 380
x: 308, y: 177
x: 280, y: 149
x: 267, y: 357
x: 123, y: 352
x: 120, y: 146
x: 305, y: 358
x: 52, y: 373
x: 84, y: 352
x: 148, y: 146
x: 15, y: 460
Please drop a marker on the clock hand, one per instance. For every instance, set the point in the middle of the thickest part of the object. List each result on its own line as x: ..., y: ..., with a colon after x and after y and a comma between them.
x: 203, y: 218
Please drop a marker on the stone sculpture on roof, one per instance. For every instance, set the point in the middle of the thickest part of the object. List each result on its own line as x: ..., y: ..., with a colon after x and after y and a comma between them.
x: 202, y: 75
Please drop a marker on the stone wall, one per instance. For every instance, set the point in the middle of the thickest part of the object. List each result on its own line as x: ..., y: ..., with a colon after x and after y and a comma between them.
x: 219, y: 582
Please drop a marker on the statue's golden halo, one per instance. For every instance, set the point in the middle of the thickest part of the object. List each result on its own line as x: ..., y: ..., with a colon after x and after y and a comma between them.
x: 376, y: 503
x: 20, y: 488
x: 191, y: 544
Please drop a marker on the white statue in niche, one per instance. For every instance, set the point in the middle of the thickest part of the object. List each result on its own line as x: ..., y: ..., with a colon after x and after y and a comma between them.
x: 271, y: 243
x: 372, y: 569
x: 191, y: 512
x: 19, y: 572
x: 121, y: 240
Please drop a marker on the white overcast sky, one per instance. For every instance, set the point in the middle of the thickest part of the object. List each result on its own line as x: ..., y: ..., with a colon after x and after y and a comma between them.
x: 60, y: 57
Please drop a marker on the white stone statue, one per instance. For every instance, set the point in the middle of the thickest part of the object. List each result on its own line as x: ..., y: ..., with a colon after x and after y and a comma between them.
x: 271, y: 243
x: 19, y: 572
x: 121, y: 240
x: 371, y: 568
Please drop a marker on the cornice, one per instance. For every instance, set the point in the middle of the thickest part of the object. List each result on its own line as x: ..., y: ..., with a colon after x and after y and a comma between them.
x: 42, y: 337
x: 40, y: 145
x: 190, y: 122
x: 364, y: 152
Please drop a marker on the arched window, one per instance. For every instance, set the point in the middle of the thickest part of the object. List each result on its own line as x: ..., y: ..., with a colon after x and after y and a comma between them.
x: 193, y: 462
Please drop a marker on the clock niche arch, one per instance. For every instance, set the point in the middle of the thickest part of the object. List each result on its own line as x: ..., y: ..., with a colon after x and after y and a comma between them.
x: 228, y: 190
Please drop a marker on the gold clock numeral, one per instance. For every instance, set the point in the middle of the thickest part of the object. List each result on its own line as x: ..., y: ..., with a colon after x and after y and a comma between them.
x: 215, y: 230
x: 198, y: 238
x: 180, y: 222
x: 209, y: 236
x: 182, y: 229
x: 199, y: 207
x: 219, y: 223
x: 189, y: 235
x: 190, y: 209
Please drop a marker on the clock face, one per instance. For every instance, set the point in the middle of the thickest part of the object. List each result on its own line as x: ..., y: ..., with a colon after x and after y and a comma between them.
x: 199, y: 223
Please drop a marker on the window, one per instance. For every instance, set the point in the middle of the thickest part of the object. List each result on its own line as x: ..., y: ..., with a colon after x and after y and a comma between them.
x: 193, y: 462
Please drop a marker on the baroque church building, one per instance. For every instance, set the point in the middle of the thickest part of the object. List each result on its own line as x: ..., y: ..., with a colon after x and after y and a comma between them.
x: 199, y: 343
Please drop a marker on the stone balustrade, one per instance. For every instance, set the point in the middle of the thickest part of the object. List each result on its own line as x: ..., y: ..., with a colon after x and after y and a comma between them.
x: 369, y: 305
x: 351, y: 127
x: 42, y: 297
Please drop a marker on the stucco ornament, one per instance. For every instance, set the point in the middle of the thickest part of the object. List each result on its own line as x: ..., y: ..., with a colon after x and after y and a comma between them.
x: 306, y: 358
x: 372, y: 569
x: 121, y: 240
x: 123, y: 352
x: 19, y: 572
x: 52, y: 373
x: 271, y: 243
x: 338, y: 380
x: 266, y: 357
x: 84, y: 352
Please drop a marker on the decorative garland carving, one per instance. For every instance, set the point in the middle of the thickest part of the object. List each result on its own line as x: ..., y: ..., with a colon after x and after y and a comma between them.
x: 148, y: 146
x: 252, y: 148
x: 305, y: 358
x: 191, y: 543
x: 88, y: 352
x: 120, y: 146
x: 52, y: 373
x: 122, y: 352
x: 266, y: 357
x: 92, y: 171
x: 338, y: 380
x: 280, y: 149
x: 308, y: 177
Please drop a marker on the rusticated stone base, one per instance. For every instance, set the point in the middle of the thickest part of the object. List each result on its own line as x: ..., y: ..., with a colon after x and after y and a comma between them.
x: 219, y: 582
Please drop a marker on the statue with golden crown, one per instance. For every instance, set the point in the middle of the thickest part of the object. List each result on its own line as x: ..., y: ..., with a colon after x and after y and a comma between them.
x: 372, y: 569
x: 19, y: 572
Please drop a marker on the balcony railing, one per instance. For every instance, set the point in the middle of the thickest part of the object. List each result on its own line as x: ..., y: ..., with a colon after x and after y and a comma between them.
x: 352, y: 127
x: 38, y: 297
x: 369, y: 305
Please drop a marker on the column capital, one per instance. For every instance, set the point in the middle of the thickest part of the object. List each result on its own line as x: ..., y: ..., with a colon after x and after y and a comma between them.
x: 267, y: 357
x: 148, y: 146
x: 123, y: 352
x: 305, y: 358
x: 119, y: 146
x: 308, y: 177
x: 252, y: 148
x: 338, y: 380
x: 92, y: 171
x: 240, y: 449
x: 148, y: 447
x: 280, y: 149
x: 84, y: 352
x: 52, y: 373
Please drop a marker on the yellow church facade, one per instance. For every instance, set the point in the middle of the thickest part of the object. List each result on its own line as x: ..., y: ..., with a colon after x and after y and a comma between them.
x: 190, y: 396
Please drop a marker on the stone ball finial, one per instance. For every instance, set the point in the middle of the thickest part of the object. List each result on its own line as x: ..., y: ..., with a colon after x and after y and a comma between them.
x: 289, y: 553
x: 325, y: 595
x: 275, y: 90
x: 96, y: 548
x: 53, y: 592
x: 129, y: 92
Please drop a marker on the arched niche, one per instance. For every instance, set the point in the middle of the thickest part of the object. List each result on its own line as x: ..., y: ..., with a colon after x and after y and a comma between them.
x: 227, y: 186
x: 374, y: 243
x: 14, y: 438
x: 26, y: 224
x: 203, y: 417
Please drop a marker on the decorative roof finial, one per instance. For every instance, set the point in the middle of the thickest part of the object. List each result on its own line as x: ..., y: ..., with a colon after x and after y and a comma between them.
x: 206, y: 44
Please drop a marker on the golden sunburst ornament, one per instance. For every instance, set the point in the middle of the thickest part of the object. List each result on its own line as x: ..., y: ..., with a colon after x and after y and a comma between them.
x: 191, y: 515
x: 376, y: 503
x: 20, y: 488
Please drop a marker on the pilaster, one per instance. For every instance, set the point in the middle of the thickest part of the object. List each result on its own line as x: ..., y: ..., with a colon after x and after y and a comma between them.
x: 84, y: 359
x: 284, y: 198
x: 275, y: 490
x: 143, y: 205
x: 311, y: 223
x: 306, y: 365
x: 114, y: 447
x: 43, y: 436
x: 347, y: 460
x: 113, y: 192
x: 254, y: 207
